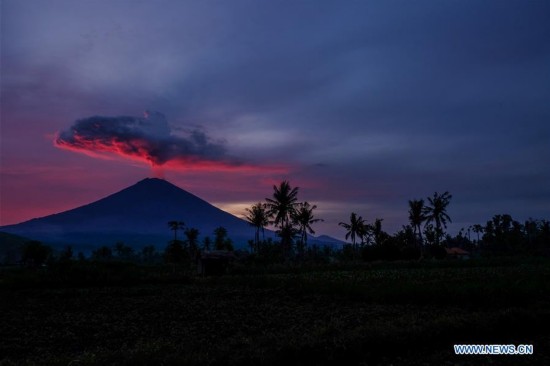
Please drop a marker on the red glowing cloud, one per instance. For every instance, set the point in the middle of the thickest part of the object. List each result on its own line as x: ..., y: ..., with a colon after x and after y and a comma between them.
x: 149, y: 139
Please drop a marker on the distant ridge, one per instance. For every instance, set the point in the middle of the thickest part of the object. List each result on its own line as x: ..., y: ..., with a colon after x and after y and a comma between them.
x: 325, y: 239
x: 138, y: 215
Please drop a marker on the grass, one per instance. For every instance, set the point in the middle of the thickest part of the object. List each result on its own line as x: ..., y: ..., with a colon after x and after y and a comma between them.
x: 400, y: 313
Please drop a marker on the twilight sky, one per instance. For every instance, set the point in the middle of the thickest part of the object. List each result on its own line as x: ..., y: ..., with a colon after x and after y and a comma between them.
x: 362, y: 104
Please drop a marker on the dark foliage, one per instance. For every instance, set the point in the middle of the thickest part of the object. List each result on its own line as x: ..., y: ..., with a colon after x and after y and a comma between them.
x: 35, y: 254
x: 221, y: 240
x: 175, y: 252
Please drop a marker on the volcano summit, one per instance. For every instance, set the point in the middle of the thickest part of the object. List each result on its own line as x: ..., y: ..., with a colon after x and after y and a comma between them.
x: 137, y: 215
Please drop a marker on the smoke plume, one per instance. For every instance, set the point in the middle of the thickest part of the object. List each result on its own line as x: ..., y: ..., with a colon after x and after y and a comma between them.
x: 148, y: 138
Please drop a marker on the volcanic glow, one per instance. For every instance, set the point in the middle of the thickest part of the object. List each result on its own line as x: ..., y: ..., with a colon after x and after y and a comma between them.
x: 149, y: 139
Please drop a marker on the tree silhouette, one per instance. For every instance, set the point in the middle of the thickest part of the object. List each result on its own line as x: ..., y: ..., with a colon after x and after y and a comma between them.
x: 35, y: 253
x: 282, y: 205
x: 258, y: 217
x: 206, y: 242
x: 148, y: 253
x: 221, y: 241
x: 478, y: 229
x: 416, y: 218
x: 430, y: 234
x: 436, y: 212
x: 66, y: 254
x: 287, y: 234
x: 174, y: 253
x: 379, y: 235
x: 304, y: 218
x: 355, y: 228
x: 123, y: 251
x: 103, y: 253
x: 175, y: 226
x: 503, y: 233
x: 192, y: 235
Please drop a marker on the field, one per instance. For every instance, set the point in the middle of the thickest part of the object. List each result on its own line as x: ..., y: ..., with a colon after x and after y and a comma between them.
x: 400, y: 314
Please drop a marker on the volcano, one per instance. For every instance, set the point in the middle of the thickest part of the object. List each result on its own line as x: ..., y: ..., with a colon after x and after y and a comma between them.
x: 137, y: 215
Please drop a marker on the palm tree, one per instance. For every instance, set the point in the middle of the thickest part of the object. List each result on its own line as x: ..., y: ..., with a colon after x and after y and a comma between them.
x: 174, y: 253
x: 221, y: 240
x: 478, y: 229
x: 304, y: 218
x: 192, y: 235
x: 176, y: 225
x: 437, y: 212
x: 377, y: 233
x: 282, y: 207
x: 366, y: 233
x: 287, y: 234
x: 356, y: 228
x: 206, y: 243
x: 258, y: 217
x: 416, y: 218
x: 282, y: 204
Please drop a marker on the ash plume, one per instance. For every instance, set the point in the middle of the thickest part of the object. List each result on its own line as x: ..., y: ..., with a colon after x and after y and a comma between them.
x: 147, y: 138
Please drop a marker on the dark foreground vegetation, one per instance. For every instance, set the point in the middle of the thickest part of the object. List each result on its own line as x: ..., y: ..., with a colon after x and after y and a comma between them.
x: 401, y: 313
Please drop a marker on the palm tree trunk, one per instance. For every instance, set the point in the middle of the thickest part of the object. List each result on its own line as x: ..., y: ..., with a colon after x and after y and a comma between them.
x: 420, y: 241
x: 257, y: 239
x: 437, y: 230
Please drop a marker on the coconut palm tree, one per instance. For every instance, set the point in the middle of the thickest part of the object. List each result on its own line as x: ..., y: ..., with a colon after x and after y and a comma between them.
x: 378, y: 234
x: 416, y: 218
x: 282, y: 207
x: 304, y: 218
x: 192, y: 235
x: 478, y: 229
x: 221, y: 239
x: 436, y: 212
x: 175, y: 226
x: 287, y: 234
x: 283, y: 203
x: 356, y: 228
x: 258, y: 217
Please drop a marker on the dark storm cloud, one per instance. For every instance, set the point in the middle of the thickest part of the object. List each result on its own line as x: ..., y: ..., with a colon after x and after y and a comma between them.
x: 147, y: 138
x: 432, y: 70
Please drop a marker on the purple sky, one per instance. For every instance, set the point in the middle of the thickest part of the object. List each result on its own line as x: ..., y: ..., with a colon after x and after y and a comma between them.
x: 362, y: 104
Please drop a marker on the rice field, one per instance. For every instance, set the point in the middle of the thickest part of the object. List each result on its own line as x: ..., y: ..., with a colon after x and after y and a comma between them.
x: 400, y: 314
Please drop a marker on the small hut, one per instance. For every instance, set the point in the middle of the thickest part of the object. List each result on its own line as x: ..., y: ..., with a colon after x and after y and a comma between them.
x: 457, y: 253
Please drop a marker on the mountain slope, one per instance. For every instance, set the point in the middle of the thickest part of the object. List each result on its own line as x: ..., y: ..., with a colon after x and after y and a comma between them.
x: 136, y: 215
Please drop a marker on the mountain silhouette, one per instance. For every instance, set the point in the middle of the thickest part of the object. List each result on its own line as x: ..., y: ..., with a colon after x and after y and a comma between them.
x: 136, y: 215
x: 139, y: 215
